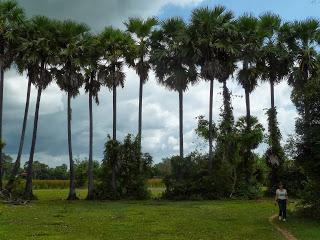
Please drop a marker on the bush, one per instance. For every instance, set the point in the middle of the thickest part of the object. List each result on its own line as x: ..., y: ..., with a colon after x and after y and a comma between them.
x: 81, y: 170
x: 310, y: 205
x: 156, y: 183
x: 125, y: 171
x: 190, y: 180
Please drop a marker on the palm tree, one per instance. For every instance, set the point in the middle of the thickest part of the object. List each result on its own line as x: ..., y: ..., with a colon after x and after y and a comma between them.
x: 39, y: 51
x: 141, y: 29
x: 22, y: 64
x: 172, y: 62
x: 250, y: 43
x: 208, y: 30
x: 117, y: 48
x: 275, y: 63
x: 92, y: 86
x: 11, y: 15
x: 69, y: 77
x: 307, y: 35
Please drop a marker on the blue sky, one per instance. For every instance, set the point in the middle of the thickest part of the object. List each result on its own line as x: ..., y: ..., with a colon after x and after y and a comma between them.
x: 288, y: 9
x: 160, y: 106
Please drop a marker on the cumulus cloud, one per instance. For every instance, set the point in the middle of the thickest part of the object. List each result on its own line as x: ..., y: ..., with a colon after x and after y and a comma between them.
x: 99, y: 13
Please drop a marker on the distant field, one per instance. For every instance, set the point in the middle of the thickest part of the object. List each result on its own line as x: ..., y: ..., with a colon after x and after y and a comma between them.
x: 63, y: 184
x: 52, y: 218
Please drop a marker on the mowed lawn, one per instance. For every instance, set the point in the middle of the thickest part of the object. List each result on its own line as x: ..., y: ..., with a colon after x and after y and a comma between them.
x: 51, y: 217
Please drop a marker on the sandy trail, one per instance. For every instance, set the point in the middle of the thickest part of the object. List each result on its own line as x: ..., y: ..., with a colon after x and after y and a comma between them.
x: 284, y: 232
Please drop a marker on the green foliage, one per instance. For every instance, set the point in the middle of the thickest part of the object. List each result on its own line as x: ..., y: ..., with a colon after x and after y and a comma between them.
x: 213, y: 34
x: 2, y: 144
x: 71, y: 40
x: 162, y: 169
x: 81, y: 170
x: 115, y: 46
x: 308, y: 153
x: 171, y: 55
x: 235, y: 167
x: 11, y: 18
x: 142, y: 30
x: 125, y: 171
x: 155, y: 183
x: 190, y: 180
x: 202, y: 129
x: 274, y: 155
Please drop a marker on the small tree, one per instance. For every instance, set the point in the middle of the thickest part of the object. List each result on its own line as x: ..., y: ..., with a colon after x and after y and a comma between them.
x: 121, y: 177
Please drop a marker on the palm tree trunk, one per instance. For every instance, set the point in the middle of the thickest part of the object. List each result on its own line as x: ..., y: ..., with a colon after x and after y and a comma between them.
x: 248, y: 115
x: 114, y: 133
x: 28, y: 189
x: 247, y: 153
x: 247, y: 96
x: 210, y: 127
x: 181, y: 122
x: 272, y: 93
x: 1, y: 111
x: 90, y: 165
x: 72, y: 189
x: 140, y: 111
x: 17, y: 163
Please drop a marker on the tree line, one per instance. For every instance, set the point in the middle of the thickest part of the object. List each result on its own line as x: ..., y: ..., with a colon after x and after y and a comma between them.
x: 213, y: 46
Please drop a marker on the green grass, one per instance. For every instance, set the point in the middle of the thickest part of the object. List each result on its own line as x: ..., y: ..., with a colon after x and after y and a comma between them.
x: 53, y: 218
x: 304, y: 228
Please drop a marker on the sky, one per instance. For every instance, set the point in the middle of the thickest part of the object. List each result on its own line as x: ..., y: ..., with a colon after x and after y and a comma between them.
x: 160, y: 106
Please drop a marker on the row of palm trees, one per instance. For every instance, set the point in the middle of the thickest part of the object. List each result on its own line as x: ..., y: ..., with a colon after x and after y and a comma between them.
x: 213, y: 46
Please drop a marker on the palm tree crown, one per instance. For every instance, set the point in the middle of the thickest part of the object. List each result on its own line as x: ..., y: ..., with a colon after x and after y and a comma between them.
x: 170, y: 55
x: 118, y: 49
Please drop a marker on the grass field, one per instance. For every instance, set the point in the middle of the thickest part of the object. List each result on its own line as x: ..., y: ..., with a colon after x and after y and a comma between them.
x: 53, y: 218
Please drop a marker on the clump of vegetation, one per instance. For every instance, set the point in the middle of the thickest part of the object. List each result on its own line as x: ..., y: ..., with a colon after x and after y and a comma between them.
x: 235, y: 171
x: 125, y: 171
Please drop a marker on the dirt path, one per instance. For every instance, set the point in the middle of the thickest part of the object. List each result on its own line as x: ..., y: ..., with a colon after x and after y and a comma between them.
x: 284, y: 232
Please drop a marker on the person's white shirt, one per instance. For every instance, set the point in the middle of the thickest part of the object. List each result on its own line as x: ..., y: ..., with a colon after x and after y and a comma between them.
x: 281, y: 194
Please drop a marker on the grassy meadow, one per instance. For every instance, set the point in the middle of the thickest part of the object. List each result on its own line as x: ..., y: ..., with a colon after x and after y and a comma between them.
x: 51, y: 217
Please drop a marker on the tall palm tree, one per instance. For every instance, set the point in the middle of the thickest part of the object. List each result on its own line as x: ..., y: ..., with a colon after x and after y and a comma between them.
x: 22, y: 64
x: 142, y: 29
x: 11, y: 15
x: 275, y: 63
x: 208, y: 30
x: 307, y: 35
x: 92, y: 86
x: 250, y: 43
x: 39, y: 51
x: 172, y: 61
x: 118, y: 49
x: 69, y: 77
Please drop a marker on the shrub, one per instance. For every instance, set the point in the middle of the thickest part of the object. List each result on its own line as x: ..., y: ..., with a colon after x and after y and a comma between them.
x: 190, y: 180
x: 156, y: 183
x: 125, y: 171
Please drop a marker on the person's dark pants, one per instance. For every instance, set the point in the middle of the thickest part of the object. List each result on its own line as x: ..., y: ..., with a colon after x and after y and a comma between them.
x: 282, y: 208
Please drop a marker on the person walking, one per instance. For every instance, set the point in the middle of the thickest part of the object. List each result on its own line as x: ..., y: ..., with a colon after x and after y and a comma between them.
x: 281, y: 199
